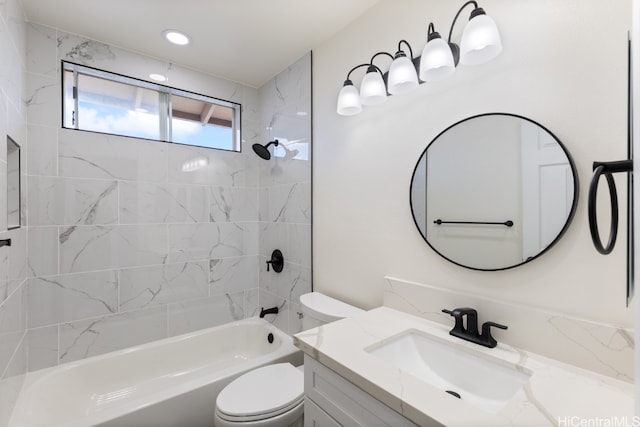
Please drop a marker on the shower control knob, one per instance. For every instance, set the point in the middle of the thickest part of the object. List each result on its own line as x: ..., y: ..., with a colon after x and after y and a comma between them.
x: 276, y: 261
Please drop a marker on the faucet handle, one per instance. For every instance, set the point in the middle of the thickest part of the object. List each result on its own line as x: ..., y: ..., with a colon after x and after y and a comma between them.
x: 486, y: 333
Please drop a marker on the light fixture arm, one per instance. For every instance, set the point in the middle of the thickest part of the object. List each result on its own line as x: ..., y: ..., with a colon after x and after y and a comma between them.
x: 431, y: 29
x: 380, y: 53
x: 408, y: 45
x: 455, y: 49
x: 355, y: 68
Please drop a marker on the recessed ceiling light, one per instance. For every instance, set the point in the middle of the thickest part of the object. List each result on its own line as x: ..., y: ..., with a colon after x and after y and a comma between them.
x: 176, y: 37
x: 158, y: 77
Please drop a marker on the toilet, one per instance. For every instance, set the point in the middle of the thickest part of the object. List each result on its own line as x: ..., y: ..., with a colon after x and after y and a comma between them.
x: 273, y: 395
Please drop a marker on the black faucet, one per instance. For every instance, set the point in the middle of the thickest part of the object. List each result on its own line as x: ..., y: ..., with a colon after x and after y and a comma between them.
x: 272, y: 310
x: 470, y: 332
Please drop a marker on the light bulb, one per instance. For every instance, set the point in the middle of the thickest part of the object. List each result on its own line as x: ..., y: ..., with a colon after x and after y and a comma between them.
x: 436, y: 61
x: 349, y: 100
x: 372, y: 90
x: 480, y: 39
x: 402, y: 75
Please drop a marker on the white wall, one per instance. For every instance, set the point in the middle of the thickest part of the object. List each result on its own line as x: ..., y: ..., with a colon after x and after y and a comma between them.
x: 564, y: 65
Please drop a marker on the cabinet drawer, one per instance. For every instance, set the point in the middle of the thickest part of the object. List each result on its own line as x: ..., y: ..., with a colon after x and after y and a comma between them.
x: 344, y: 402
x: 314, y: 416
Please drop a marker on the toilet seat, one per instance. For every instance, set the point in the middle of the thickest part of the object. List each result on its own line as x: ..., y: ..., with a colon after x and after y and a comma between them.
x: 262, y: 393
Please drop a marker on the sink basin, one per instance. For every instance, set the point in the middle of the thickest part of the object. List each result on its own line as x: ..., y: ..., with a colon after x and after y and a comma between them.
x: 484, y: 382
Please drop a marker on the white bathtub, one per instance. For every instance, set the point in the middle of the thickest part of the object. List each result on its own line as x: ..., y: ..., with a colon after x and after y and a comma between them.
x: 172, y: 382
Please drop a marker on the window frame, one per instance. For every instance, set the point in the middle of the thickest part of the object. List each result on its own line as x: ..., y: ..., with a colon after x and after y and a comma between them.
x: 165, y: 92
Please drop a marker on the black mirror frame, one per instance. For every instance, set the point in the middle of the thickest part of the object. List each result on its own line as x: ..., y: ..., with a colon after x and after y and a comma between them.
x: 574, y: 206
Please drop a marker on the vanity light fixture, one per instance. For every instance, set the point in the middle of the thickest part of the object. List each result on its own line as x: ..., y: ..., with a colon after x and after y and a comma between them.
x: 480, y: 43
x: 176, y: 37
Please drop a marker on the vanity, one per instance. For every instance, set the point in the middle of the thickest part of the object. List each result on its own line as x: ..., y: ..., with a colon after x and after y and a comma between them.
x: 388, y: 367
x: 490, y: 193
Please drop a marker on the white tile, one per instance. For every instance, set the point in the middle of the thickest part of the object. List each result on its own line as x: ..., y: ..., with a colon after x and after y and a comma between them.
x: 12, y: 325
x: 58, y: 299
x: 62, y: 201
x: 205, y: 241
x: 11, y: 383
x: 88, y: 248
x: 274, y: 235
x: 204, y: 313
x: 83, y: 51
x: 43, y: 100
x: 41, y: 50
x: 43, y: 251
x: 222, y: 168
x: 251, y: 302
x: 290, y: 203
x: 42, y: 150
x: 143, y: 202
x: 162, y: 284
x: 231, y: 275
x: 86, y: 338
x: 42, y: 347
x: 233, y: 204
x: 96, y: 155
x: 299, y: 244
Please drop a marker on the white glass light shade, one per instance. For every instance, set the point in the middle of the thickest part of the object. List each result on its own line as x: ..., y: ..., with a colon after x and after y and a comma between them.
x: 349, y: 101
x: 480, y: 41
x: 436, y: 62
x: 372, y: 90
x: 402, y: 76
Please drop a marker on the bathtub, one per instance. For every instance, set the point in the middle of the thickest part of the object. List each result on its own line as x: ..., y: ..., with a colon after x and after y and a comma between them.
x: 172, y: 382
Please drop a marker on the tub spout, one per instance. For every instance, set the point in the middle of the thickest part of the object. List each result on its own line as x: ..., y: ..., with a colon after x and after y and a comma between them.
x: 272, y: 310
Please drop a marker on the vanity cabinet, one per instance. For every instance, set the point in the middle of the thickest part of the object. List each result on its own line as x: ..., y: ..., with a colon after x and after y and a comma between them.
x: 332, y: 401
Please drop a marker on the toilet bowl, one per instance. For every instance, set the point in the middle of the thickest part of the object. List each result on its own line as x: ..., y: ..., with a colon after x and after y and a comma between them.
x: 273, y: 395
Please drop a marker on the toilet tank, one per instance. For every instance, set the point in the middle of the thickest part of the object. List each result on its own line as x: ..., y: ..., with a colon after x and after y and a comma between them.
x: 319, y: 309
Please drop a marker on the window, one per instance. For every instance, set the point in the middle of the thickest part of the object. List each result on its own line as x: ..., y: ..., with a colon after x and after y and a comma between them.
x: 99, y: 101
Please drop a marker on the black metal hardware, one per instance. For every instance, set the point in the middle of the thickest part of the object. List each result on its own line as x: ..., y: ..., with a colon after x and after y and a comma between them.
x: 264, y: 312
x: 606, y: 169
x: 5, y: 242
x: 263, y: 150
x: 453, y: 393
x: 270, y: 338
x: 470, y: 332
x: 507, y: 223
x: 276, y: 261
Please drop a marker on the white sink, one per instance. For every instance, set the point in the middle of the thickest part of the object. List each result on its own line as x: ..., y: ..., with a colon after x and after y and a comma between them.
x: 480, y: 380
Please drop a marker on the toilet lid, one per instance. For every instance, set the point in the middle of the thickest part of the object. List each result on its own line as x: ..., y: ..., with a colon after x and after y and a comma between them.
x: 262, y: 393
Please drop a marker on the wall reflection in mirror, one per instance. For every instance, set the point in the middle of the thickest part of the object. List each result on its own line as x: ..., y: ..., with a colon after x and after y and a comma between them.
x: 493, y: 191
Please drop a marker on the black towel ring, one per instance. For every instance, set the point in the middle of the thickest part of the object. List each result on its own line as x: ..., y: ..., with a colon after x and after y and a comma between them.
x: 606, y: 168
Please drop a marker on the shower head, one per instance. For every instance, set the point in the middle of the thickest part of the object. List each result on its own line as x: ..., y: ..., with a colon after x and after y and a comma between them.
x: 263, y: 150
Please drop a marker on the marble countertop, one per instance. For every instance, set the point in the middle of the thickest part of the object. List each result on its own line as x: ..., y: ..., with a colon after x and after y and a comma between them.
x: 556, y: 393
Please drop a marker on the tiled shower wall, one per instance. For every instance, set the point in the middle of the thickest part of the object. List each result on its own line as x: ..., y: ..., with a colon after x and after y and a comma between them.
x: 13, y: 288
x: 126, y: 246
x: 285, y: 191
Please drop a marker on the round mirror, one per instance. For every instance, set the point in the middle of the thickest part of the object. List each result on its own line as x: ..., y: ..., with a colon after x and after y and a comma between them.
x: 493, y: 191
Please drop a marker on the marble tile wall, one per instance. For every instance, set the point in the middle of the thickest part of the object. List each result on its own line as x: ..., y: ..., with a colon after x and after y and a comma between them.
x: 13, y: 259
x: 127, y: 247
x: 285, y: 191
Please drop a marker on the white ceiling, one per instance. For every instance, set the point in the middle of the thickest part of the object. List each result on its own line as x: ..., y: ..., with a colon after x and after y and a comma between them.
x: 247, y: 41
